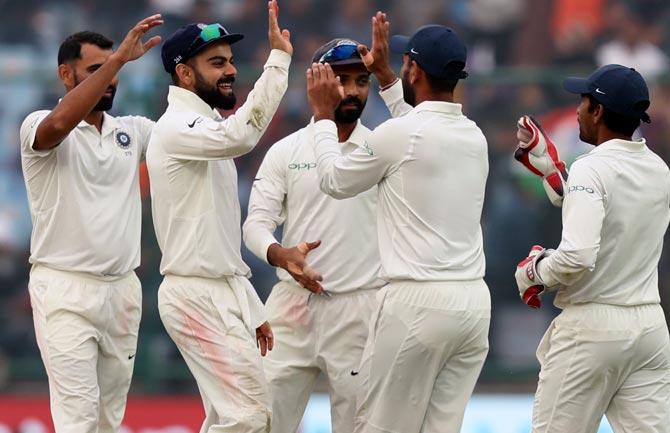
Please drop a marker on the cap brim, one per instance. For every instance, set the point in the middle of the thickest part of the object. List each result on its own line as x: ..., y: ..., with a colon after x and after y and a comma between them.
x: 398, y: 44
x: 576, y: 85
x: 351, y: 61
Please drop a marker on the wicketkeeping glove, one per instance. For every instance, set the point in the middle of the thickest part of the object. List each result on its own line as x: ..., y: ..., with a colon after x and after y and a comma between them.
x: 529, y: 283
x: 539, y: 155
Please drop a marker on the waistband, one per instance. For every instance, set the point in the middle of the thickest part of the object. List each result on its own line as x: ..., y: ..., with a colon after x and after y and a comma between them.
x: 294, y: 287
x: 593, y: 315
x: 43, y: 270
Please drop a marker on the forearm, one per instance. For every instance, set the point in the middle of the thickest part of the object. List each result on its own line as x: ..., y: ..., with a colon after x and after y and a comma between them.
x: 76, y: 105
x: 565, y: 267
x: 254, y: 116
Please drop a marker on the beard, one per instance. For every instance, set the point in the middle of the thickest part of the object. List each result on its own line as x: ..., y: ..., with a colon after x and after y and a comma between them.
x: 211, y: 94
x: 348, y: 115
x: 105, y: 103
x: 408, y: 91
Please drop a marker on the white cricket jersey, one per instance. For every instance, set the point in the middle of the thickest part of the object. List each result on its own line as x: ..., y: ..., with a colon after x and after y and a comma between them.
x: 615, y: 213
x: 84, y: 195
x: 430, y: 164
x: 196, y: 209
x: 286, y: 191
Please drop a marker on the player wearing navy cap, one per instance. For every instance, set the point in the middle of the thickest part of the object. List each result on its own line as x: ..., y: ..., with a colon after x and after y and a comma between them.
x: 429, y: 337
x: 608, y: 352
x: 206, y: 302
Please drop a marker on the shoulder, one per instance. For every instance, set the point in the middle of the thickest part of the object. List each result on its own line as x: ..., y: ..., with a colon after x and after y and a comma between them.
x: 33, y: 119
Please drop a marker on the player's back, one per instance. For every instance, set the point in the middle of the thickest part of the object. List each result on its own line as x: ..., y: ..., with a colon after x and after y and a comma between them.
x: 434, y: 196
x: 636, y: 201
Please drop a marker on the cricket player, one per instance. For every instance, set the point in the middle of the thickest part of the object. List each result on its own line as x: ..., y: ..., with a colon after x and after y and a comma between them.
x: 206, y: 302
x: 429, y: 338
x: 608, y: 352
x: 317, y: 333
x: 81, y: 168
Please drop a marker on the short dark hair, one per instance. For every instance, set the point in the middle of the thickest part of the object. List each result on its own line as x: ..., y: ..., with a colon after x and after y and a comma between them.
x: 446, y: 84
x: 441, y: 84
x: 70, y: 49
x: 615, y: 122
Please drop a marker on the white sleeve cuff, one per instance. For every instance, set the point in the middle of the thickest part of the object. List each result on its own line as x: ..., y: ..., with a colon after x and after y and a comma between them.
x: 278, y: 59
x: 393, y: 94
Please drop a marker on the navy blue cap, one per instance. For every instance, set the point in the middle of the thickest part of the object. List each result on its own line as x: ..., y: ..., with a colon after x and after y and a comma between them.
x: 617, y: 88
x: 437, y: 49
x: 190, y: 39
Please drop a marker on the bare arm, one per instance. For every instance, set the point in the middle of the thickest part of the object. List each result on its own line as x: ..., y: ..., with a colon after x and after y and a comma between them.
x: 79, y: 102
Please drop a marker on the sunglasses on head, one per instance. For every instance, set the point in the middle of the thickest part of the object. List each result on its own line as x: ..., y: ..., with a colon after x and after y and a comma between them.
x: 208, y: 33
x: 342, y: 51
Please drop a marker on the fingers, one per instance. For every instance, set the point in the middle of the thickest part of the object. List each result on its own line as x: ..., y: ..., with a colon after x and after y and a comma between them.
x: 269, y: 335
x: 152, y: 43
x: 311, y: 273
x: 273, y: 12
x: 263, y: 343
x: 151, y: 19
x: 313, y: 245
x: 286, y: 34
x: 310, y: 78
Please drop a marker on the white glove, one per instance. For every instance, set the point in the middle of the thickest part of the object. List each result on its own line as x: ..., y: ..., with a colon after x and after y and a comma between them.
x: 527, y: 279
x: 539, y: 155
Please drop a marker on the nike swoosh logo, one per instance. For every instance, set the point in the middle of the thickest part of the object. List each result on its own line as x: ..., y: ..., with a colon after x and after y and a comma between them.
x: 131, y: 356
x: 354, y: 373
x: 413, y: 51
x: 258, y: 178
x: 191, y: 125
x: 600, y: 91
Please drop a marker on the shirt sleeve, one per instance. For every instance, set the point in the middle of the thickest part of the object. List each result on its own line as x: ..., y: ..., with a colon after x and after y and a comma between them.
x: 28, y: 132
x: 583, y: 214
x: 395, y: 101
x: 145, y: 127
x: 204, y: 138
x: 266, y: 204
x: 342, y: 176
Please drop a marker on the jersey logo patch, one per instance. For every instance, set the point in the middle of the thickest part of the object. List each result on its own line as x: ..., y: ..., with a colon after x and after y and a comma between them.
x: 123, y: 139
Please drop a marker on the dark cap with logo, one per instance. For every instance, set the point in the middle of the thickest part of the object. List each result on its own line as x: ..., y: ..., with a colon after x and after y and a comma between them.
x: 190, y: 39
x: 437, y: 49
x: 618, y: 88
x: 339, y: 51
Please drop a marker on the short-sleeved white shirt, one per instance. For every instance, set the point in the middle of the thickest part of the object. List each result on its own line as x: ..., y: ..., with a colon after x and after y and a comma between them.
x: 84, y: 195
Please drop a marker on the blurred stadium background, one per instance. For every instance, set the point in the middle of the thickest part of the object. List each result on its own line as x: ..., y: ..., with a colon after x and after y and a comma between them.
x: 519, y: 51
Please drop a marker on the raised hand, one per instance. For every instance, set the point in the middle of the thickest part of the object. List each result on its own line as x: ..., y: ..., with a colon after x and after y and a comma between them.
x: 377, y: 58
x: 132, y: 47
x: 279, y: 39
x: 324, y: 91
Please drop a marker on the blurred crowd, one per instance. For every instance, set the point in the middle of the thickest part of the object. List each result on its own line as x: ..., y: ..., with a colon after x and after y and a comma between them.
x: 519, y: 52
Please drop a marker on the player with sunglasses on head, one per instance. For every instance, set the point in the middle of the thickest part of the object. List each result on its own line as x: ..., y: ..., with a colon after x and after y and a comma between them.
x: 206, y: 302
x: 429, y: 338
x: 320, y: 319
x: 608, y: 352
x: 81, y: 168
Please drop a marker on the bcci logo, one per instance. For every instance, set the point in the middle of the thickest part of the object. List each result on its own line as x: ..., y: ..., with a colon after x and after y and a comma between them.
x: 123, y: 140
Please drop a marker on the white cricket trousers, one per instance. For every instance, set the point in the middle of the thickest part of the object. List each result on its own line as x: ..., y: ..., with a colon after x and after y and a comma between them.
x: 315, y: 334
x: 86, y: 329
x: 424, y: 353
x: 604, y: 359
x: 204, y: 318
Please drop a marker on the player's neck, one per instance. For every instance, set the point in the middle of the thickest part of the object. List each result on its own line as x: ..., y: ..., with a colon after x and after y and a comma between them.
x: 344, y: 131
x: 95, y: 118
x: 607, y: 135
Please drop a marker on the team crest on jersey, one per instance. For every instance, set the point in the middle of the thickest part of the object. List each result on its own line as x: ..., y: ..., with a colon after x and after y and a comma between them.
x: 123, y: 139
